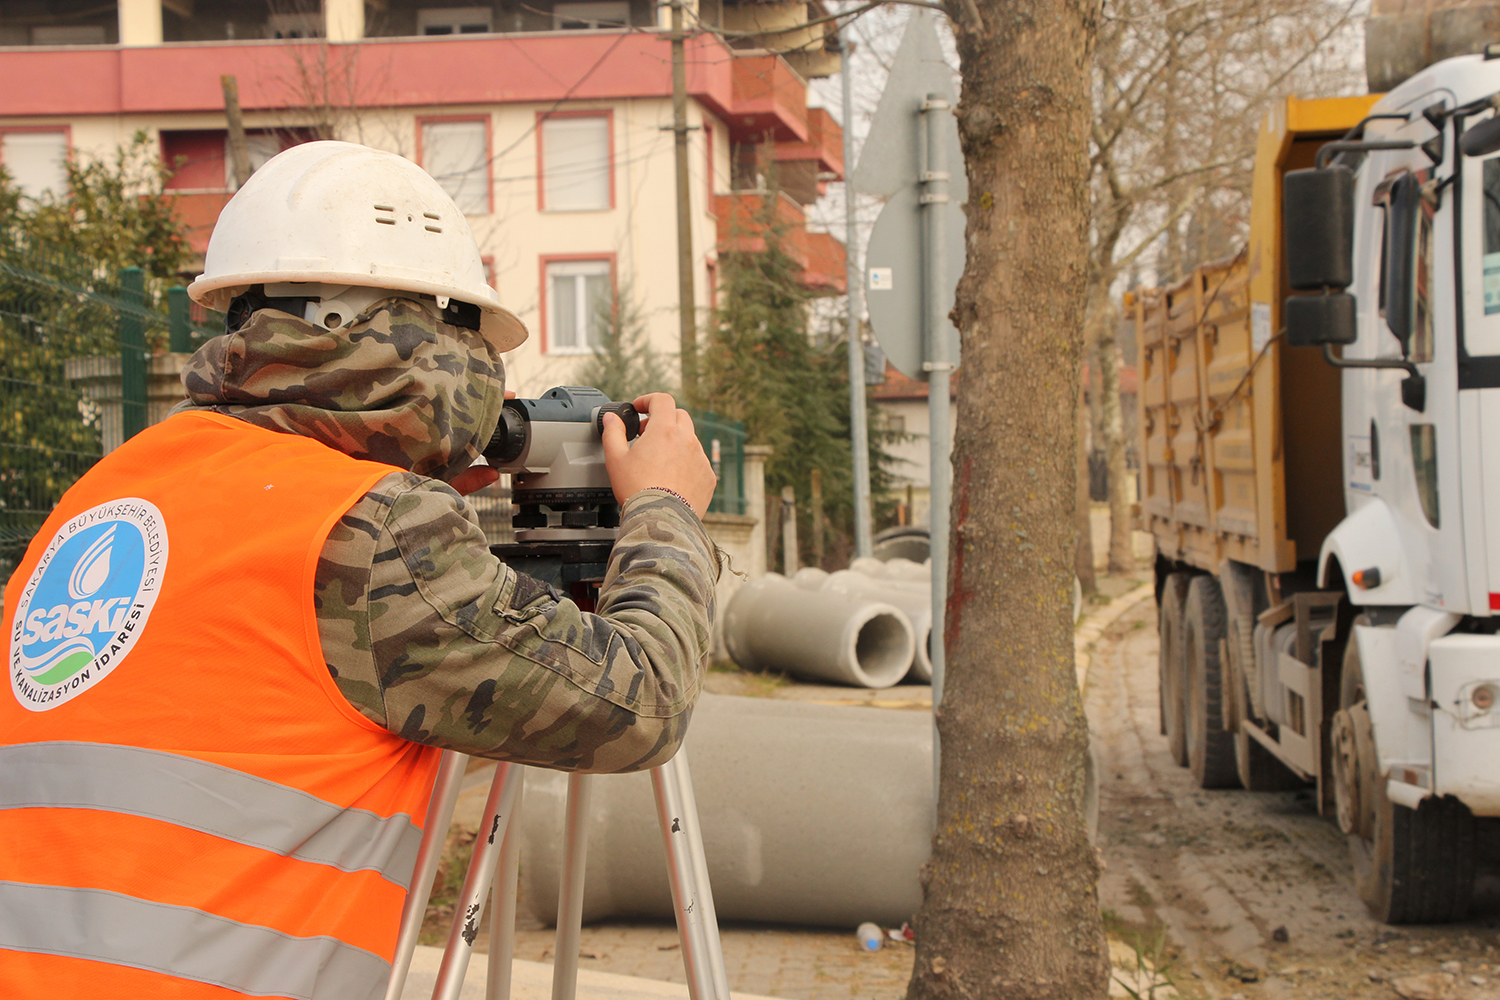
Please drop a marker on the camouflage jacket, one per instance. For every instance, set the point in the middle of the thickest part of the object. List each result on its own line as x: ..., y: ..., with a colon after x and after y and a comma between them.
x: 424, y: 630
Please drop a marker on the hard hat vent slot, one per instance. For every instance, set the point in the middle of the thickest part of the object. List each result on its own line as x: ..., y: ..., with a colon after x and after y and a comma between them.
x: 385, y: 208
x: 433, y: 229
x: 385, y: 222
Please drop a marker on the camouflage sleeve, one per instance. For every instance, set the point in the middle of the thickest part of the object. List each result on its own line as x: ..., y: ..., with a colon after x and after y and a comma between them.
x: 431, y: 636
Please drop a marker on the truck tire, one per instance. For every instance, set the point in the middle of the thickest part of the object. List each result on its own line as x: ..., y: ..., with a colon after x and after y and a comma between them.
x: 1417, y: 867
x: 1210, y: 747
x: 1171, y: 666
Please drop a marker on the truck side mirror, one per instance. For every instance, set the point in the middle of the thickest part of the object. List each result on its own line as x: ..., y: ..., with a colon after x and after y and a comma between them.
x: 1318, y: 223
x: 1401, y: 256
x: 1314, y: 320
x: 1318, y: 230
x: 1481, y: 139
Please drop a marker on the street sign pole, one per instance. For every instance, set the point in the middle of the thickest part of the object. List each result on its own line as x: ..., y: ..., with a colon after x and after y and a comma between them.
x: 858, y: 431
x: 938, y: 292
x: 914, y: 259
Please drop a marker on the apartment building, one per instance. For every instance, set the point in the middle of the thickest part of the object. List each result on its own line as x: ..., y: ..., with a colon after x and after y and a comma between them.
x: 548, y: 121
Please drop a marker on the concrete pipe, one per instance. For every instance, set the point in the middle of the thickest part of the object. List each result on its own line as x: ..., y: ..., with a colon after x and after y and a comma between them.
x: 914, y: 600
x: 772, y: 624
x: 811, y: 814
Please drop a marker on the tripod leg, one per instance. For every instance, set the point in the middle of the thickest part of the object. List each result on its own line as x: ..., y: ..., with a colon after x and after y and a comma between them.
x: 713, y: 952
x: 497, y: 814
x: 503, y: 917
x: 445, y: 791
x: 570, y: 889
x: 686, y: 897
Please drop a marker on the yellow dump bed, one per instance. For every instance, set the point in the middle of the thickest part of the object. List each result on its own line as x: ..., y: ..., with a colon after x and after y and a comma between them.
x: 1219, y: 480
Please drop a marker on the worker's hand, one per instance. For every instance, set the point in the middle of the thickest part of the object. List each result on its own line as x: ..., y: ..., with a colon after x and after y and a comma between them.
x: 477, y: 477
x: 473, y: 479
x: 666, y: 455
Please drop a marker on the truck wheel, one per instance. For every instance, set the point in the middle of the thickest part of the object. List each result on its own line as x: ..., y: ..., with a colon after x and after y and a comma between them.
x: 1210, y: 748
x: 1411, y: 866
x: 1171, y: 667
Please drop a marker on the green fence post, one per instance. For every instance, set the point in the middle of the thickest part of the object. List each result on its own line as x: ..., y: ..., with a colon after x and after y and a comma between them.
x: 179, y: 323
x: 132, y: 352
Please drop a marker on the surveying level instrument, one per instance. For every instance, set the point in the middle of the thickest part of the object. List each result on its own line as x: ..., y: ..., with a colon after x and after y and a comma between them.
x: 553, y: 449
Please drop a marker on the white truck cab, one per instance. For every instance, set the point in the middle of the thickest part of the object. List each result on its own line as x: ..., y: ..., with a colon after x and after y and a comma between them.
x: 1328, y: 527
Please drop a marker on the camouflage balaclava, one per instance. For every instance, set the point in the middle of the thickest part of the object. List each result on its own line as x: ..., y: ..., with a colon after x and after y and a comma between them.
x: 395, y: 386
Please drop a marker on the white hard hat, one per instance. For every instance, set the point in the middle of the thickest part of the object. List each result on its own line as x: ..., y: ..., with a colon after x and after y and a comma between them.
x: 338, y: 213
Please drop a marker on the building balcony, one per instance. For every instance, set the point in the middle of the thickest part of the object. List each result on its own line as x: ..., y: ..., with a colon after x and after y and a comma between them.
x: 805, y: 168
x: 769, y: 101
x: 744, y: 218
x: 380, y: 73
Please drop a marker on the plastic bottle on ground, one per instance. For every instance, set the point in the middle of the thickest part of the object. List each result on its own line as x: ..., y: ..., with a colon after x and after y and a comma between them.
x: 870, y: 936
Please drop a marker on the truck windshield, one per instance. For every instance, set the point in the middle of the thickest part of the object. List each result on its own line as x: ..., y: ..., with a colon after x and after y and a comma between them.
x: 1491, y: 237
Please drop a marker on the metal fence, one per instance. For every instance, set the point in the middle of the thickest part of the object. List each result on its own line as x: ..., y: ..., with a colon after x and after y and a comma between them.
x: 724, y: 440
x: 76, y: 344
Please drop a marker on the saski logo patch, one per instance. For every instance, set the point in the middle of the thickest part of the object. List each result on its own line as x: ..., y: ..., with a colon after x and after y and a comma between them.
x: 86, y: 603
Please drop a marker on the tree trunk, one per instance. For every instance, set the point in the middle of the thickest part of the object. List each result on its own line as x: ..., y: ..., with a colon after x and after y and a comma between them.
x: 1010, y: 906
x: 1112, y: 426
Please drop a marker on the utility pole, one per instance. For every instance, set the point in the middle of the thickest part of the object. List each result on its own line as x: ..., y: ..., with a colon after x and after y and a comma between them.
x: 239, y: 159
x: 687, y: 308
x: 854, y: 286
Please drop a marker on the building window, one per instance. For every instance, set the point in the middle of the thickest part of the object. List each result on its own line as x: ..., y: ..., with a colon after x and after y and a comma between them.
x: 607, y: 15
x: 200, y: 159
x: 36, y: 160
x: 708, y: 162
x: 68, y: 34
x: 457, y: 154
x: 580, y: 294
x: 455, y: 21
x: 295, y: 25
x: 575, y: 163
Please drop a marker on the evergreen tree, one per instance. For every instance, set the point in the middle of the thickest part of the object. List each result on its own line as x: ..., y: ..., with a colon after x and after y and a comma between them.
x: 792, y: 393
x: 624, y: 365
x: 60, y: 299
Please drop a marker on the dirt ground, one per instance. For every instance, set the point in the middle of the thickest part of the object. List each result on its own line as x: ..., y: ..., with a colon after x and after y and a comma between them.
x: 1241, y: 895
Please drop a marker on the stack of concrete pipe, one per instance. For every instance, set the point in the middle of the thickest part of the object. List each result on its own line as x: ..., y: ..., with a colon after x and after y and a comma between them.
x: 811, y: 814
x: 867, y: 626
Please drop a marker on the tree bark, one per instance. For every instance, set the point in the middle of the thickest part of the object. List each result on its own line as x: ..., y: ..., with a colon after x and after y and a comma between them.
x: 1010, y: 904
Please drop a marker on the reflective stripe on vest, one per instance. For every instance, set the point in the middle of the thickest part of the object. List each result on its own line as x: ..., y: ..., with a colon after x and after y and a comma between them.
x: 184, y: 942
x: 212, y: 799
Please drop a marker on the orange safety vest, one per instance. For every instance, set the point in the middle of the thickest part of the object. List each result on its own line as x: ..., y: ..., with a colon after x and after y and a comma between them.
x: 188, y: 805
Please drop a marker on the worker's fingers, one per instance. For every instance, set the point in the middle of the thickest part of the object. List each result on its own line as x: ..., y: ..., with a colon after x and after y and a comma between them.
x: 615, y: 445
x: 474, y: 478
x: 657, y: 405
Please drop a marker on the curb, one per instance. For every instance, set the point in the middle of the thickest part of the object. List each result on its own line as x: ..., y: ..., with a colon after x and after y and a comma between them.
x: 1088, y: 631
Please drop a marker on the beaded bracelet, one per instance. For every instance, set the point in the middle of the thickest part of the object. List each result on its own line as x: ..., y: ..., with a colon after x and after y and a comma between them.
x: 674, y: 493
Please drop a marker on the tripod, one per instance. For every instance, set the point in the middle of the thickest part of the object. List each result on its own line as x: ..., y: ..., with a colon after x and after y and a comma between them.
x: 495, y: 862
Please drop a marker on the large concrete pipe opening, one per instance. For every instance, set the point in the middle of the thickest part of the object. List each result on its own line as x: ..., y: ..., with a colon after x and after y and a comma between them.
x: 913, y: 597
x: 833, y: 636
x: 883, y: 646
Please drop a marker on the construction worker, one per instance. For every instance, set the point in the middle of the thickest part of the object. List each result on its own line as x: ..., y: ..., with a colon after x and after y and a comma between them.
x: 237, y: 644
